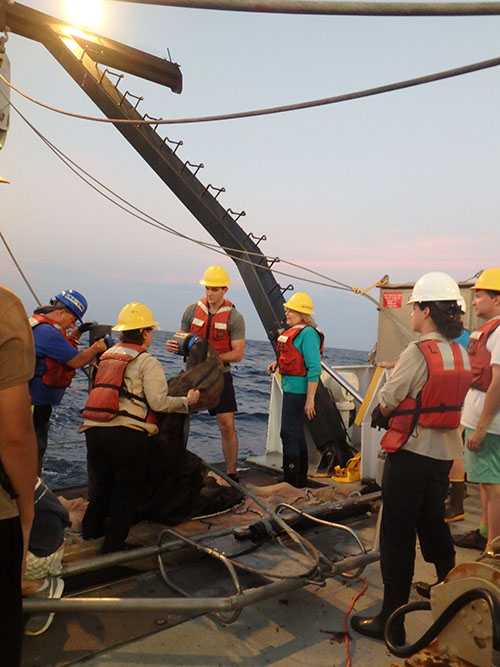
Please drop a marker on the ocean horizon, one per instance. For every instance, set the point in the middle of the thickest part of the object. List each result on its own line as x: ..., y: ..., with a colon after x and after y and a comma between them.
x: 65, y: 459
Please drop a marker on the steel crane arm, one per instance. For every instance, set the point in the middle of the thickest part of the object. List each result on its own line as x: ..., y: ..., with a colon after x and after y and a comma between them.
x: 33, y: 24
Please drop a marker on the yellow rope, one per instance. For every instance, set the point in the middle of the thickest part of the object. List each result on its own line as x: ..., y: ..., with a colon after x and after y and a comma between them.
x: 378, y: 283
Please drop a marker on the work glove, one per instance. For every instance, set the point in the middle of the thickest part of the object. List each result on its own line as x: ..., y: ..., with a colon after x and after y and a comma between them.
x: 86, y: 326
x: 378, y: 419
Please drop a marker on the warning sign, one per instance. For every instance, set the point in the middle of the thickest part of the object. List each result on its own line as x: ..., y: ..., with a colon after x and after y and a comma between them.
x: 393, y: 299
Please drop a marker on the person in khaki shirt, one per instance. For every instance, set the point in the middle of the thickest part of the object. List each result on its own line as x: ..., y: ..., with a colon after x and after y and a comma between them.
x: 421, y: 447
x: 18, y: 456
x: 117, y: 431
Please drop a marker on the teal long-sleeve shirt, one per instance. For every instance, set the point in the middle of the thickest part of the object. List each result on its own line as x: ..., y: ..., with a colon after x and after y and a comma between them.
x: 307, y: 343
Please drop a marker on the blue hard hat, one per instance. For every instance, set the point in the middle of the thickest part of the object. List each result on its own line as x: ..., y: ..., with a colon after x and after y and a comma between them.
x: 73, y: 300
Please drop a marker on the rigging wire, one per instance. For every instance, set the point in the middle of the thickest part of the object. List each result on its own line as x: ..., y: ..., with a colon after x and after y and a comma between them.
x: 18, y: 267
x: 150, y: 220
x: 367, y: 92
x: 75, y: 168
x: 327, y: 7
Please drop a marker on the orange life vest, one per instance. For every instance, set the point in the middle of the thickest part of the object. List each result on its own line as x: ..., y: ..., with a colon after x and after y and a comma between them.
x: 103, y: 402
x: 56, y: 374
x: 218, y: 333
x: 480, y: 357
x: 290, y: 360
x: 440, y: 400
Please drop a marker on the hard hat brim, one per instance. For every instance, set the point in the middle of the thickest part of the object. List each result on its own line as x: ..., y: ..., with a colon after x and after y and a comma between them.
x: 125, y: 327
x: 211, y: 283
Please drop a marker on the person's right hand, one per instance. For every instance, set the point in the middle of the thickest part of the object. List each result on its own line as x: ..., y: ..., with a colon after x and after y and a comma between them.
x: 193, y: 396
x: 272, y: 367
x: 99, y: 346
x: 172, y: 346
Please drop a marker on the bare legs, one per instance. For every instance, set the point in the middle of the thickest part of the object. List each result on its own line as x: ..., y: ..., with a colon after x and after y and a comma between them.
x: 229, y: 439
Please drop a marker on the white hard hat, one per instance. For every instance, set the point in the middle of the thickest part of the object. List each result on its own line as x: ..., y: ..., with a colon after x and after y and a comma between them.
x: 436, y: 286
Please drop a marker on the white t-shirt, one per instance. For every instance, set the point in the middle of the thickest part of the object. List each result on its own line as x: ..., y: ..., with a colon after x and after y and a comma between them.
x: 474, y: 401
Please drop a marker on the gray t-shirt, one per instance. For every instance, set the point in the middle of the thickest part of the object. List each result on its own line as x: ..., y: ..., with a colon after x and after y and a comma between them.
x: 235, y: 324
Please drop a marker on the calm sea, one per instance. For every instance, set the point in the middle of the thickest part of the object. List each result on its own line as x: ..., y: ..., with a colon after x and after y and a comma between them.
x: 65, y: 461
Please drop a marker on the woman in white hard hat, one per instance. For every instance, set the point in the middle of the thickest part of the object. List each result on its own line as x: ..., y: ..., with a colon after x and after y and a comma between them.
x: 119, y: 417
x: 422, y: 402
x: 299, y: 352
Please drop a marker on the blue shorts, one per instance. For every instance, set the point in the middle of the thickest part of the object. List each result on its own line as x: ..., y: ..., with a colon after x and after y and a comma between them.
x: 483, y: 465
x: 227, y: 402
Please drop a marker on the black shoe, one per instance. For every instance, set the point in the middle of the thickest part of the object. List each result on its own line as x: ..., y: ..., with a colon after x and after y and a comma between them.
x: 472, y: 539
x: 424, y: 589
x: 291, y: 470
x: 370, y: 626
x: 234, y: 477
x: 374, y: 627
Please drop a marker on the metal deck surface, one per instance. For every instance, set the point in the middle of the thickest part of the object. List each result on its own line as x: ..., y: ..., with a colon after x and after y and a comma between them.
x: 304, y: 627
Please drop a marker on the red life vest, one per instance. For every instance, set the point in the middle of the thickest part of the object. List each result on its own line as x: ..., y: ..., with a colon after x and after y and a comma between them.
x: 290, y: 360
x: 480, y: 357
x: 440, y: 400
x: 103, y: 402
x: 218, y: 334
x: 56, y: 374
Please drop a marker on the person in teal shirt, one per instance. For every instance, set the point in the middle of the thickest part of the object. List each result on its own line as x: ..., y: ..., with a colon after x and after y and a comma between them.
x: 299, y: 352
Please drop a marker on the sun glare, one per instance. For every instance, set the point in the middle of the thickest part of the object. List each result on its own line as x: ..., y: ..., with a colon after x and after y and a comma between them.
x: 85, y: 13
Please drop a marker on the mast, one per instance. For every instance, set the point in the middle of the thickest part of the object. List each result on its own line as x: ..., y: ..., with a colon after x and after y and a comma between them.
x: 83, y: 54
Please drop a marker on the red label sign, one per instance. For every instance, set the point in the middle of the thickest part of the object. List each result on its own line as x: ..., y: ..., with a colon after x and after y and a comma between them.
x: 393, y: 299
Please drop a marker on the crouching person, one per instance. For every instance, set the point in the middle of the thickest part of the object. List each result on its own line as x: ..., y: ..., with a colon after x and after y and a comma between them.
x: 45, y: 552
x: 119, y: 418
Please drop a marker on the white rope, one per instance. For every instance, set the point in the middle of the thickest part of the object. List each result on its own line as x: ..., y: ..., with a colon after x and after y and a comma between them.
x: 332, y: 8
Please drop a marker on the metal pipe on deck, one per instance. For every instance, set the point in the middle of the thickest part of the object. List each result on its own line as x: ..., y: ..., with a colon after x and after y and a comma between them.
x: 188, y: 605
x: 174, y: 605
x: 122, y: 557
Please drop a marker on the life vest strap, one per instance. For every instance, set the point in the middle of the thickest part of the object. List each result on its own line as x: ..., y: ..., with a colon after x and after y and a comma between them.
x: 118, y: 413
x: 437, y: 408
x: 121, y: 390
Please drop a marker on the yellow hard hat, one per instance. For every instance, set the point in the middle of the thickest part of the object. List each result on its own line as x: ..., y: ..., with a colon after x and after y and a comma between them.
x: 215, y: 276
x: 489, y: 279
x: 135, y: 316
x: 300, y: 302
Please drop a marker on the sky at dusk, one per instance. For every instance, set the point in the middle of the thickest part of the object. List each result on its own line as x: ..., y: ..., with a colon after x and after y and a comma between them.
x: 397, y: 184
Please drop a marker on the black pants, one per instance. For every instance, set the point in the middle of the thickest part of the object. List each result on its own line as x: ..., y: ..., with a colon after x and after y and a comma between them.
x: 41, y: 422
x: 414, y: 489
x: 11, y: 604
x: 117, y: 463
x: 293, y: 419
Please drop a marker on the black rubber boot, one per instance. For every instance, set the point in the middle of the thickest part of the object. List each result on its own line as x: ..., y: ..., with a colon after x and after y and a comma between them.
x: 374, y: 626
x: 291, y: 470
x: 455, y: 505
x: 304, y: 468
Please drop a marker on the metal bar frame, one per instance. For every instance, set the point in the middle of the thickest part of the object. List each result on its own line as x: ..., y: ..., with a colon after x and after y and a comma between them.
x: 189, y: 605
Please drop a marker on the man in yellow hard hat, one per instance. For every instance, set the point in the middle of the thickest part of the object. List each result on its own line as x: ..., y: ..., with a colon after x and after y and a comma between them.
x: 481, y: 413
x: 215, y: 318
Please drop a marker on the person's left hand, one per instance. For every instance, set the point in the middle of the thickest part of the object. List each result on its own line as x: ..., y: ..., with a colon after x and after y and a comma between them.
x: 309, y: 408
x: 475, y: 440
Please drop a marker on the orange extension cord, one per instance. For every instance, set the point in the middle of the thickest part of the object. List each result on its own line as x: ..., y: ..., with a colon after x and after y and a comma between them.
x: 346, y: 633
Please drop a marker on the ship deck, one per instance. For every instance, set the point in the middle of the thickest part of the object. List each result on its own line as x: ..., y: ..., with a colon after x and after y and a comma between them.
x: 302, y: 627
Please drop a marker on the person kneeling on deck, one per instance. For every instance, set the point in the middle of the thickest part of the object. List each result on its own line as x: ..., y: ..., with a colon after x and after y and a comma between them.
x: 45, y: 553
x: 119, y: 417
x: 421, y: 401
x: 299, y: 361
x: 57, y: 357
